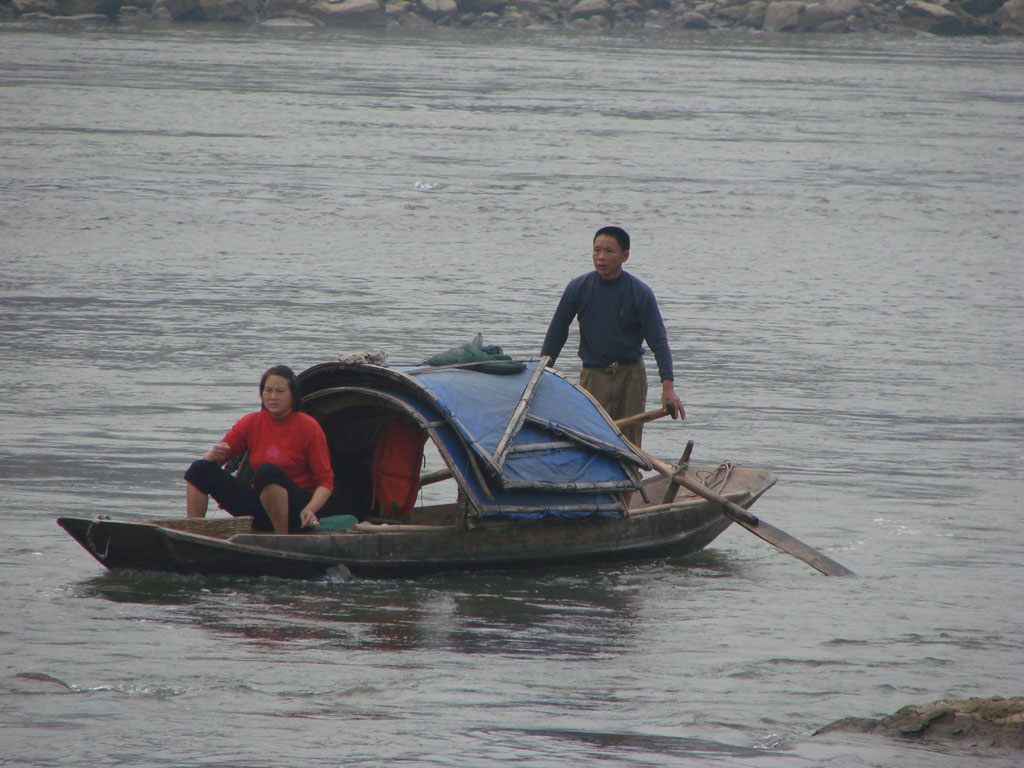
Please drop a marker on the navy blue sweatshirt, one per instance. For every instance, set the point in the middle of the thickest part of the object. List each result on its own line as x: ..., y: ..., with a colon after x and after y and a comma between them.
x: 616, y: 317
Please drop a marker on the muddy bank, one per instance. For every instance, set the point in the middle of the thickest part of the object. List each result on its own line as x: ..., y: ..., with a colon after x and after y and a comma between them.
x: 955, y: 17
x: 972, y: 724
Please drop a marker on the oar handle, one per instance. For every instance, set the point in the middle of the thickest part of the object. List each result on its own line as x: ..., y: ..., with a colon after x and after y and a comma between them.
x: 641, y: 418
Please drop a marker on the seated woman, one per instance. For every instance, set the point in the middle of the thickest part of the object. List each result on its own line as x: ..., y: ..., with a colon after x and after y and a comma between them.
x: 292, y: 476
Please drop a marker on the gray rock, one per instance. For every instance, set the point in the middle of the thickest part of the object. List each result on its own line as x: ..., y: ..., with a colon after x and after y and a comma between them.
x: 348, y: 12
x: 930, y: 10
x: 585, y: 9
x: 88, y: 7
x: 838, y: 25
x: 541, y: 10
x: 1010, y: 17
x: 628, y: 9
x: 178, y: 9
x: 84, y: 18
x: 815, y: 15
x: 756, y: 12
x: 694, y: 20
x: 942, y: 17
x: 819, y: 14
x: 482, y: 6
x: 296, y: 21
x: 784, y: 16
x: 750, y: 14
x: 230, y: 10
x: 36, y: 6
x: 413, y: 20
x: 840, y: 9
x: 159, y: 12
x: 734, y: 13
x: 929, y: 17
x: 980, y: 7
x: 984, y: 724
x: 437, y: 9
x: 596, y: 23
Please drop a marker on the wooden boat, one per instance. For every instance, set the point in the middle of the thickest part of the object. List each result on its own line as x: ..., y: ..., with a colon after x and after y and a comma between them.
x: 543, y: 478
x: 433, y: 539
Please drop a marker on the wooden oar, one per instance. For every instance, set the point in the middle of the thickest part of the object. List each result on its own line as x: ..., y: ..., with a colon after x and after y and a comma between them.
x: 444, y: 473
x: 758, y: 527
x: 641, y: 418
x: 429, y: 478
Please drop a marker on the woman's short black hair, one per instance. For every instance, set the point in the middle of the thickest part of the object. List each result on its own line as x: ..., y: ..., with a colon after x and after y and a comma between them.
x: 293, y: 384
x: 620, y: 235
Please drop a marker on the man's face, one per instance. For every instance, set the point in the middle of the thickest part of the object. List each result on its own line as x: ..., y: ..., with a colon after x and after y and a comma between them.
x: 608, y: 257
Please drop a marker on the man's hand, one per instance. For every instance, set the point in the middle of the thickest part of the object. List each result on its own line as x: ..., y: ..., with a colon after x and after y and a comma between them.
x: 671, y: 400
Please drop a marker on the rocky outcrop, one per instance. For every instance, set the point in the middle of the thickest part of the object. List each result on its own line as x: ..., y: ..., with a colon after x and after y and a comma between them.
x: 930, y: 17
x: 229, y: 10
x: 937, y: 17
x: 1010, y: 17
x: 980, y: 724
x: 347, y: 13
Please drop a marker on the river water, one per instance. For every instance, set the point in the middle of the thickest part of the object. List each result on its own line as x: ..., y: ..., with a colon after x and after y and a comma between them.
x: 834, y: 229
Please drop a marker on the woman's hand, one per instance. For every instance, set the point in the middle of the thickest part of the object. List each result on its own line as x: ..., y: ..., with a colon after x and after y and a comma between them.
x: 219, y: 453
x: 308, y: 516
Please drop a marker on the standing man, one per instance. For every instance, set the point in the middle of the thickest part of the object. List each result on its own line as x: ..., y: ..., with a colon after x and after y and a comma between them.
x: 617, y: 313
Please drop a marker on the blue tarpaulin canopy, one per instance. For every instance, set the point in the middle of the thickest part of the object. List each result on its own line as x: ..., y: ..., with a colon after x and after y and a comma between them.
x: 528, y: 444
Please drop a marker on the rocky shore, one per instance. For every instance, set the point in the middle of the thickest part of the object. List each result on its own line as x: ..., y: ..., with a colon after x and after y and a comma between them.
x: 974, y: 724
x: 942, y: 17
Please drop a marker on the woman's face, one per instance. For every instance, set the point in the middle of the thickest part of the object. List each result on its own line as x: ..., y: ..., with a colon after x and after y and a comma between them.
x: 277, y: 396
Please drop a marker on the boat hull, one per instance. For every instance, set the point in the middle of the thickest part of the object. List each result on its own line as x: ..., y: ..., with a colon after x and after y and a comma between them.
x: 153, y: 546
x: 224, y: 547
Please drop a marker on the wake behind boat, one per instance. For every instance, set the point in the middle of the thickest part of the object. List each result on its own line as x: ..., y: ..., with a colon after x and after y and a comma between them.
x: 543, y: 477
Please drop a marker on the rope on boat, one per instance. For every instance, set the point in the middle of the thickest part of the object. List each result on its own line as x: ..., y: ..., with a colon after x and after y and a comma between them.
x: 713, y: 479
x: 716, y: 478
x: 92, y: 544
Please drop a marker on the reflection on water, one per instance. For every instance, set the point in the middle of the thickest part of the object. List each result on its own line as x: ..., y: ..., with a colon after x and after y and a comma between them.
x: 560, y: 613
x: 649, y: 746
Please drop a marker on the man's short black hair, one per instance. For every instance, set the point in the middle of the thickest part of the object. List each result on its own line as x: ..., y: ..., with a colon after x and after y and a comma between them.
x: 620, y: 235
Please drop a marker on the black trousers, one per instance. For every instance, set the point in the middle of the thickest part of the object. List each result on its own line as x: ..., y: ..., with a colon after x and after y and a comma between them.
x: 239, y: 500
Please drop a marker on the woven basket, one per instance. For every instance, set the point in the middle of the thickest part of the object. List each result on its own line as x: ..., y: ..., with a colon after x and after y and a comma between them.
x: 217, y: 527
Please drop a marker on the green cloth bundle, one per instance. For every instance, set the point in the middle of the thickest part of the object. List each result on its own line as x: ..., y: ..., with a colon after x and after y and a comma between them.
x: 337, y: 523
x: 489, y: 359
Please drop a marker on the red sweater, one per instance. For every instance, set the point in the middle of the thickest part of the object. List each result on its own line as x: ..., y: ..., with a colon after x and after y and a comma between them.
x: 295, y: 443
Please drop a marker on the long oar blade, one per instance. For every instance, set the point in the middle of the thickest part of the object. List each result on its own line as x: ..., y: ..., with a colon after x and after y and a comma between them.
x: 768, y: 532
x: 796, y: 548
x: 755, y: 525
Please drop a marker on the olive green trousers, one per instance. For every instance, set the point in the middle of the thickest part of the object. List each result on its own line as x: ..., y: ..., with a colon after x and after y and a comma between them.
x: 622, y: 391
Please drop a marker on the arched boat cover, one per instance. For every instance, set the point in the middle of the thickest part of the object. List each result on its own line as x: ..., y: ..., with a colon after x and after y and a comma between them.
x: 524, y: 445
